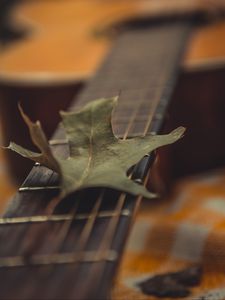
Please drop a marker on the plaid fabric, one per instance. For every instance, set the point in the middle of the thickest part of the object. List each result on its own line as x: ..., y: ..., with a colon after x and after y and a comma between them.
x: 185, y: 230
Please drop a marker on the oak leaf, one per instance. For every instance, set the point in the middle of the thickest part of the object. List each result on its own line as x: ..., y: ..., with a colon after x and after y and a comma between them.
x: 97, y: 157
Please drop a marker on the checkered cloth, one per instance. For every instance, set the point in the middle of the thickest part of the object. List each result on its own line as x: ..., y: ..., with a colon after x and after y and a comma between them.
x: 185, y: 230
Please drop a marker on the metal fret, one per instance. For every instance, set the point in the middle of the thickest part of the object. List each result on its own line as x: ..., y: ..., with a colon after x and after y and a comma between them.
x: 58, y: 259
x: 37, y: 188
x: 61, y: 218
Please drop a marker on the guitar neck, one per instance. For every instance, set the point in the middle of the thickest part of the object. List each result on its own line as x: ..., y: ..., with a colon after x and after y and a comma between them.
x: 73, y: 253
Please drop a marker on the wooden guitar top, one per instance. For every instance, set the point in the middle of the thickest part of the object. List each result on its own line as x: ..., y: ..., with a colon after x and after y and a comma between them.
x: 63, y: 41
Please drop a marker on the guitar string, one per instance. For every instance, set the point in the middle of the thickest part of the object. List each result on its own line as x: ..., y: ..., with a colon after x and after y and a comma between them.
x: 30, y: 244
x: 62, y: 234
x: 65, y: 228
x: 82, y: 240
x: 114, y: 221
x: 97, y: 268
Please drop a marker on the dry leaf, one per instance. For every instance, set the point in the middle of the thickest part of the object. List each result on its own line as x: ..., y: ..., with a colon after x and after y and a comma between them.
x: 97, y: 157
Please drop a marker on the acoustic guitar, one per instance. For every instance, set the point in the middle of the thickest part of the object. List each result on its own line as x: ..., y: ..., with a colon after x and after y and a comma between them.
x: 37, y: 70
x: 71, y: 249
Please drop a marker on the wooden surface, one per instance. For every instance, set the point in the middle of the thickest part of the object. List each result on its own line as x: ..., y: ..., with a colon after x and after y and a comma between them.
x: 62, y: 41
x: 206, y: 48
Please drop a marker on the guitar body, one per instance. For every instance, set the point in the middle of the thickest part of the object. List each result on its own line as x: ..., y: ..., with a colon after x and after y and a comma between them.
x: 198, y: 104
x: 203, y: 148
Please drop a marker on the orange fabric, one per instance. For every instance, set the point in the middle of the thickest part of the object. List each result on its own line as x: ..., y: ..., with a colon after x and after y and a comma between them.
x: 185, y: 230
x: 7, y: 189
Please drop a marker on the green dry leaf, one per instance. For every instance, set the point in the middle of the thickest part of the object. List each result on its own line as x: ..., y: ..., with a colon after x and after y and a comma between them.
x: 97, y: 157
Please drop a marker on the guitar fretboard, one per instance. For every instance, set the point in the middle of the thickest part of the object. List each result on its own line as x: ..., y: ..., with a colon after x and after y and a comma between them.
x: 73, y: 253
x: 141, y: 69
